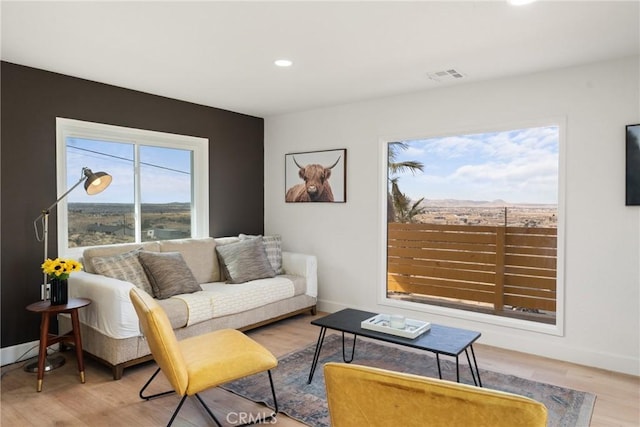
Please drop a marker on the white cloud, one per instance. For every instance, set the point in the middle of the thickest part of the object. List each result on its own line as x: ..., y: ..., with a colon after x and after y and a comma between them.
x: 519, y: 167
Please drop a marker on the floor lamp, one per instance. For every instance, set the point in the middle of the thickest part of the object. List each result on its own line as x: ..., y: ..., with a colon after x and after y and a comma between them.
x: 94, y: 183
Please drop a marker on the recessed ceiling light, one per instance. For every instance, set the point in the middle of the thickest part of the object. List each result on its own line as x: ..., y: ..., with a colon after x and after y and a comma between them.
x: 283, y: 63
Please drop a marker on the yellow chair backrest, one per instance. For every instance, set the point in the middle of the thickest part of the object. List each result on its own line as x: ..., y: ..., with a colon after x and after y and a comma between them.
x: 161, y: 338
x: 359, y: 396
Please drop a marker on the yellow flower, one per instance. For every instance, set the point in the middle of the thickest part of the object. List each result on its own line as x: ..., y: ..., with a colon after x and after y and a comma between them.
x: 60, y: 268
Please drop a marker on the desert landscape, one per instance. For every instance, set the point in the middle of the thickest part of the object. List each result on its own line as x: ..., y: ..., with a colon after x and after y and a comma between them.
x: 493, y: 213
x: 101, y: 224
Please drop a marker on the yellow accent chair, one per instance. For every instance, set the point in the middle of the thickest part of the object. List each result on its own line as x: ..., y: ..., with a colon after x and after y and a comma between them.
x: 364, y: 396
x: 201, y: 362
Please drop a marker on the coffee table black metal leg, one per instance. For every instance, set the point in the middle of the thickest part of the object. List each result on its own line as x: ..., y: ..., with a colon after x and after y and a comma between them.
x: 473, y: 375
x: 439, y: 370
x: 353, y: 349
x: 316, y: 355
x: 457, y: 370
x: 475, y: 362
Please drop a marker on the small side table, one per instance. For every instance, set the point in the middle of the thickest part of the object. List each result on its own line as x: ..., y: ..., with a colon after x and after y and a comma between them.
x: 46, y: 339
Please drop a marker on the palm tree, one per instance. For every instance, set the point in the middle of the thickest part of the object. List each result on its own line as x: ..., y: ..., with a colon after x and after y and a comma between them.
x: 404, y: 211
x: 394, y: 167
x: 397, y: 203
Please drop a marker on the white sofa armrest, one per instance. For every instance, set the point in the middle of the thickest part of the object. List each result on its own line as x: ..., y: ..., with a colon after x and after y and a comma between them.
x: 111, y: 311
x: 302, y: 265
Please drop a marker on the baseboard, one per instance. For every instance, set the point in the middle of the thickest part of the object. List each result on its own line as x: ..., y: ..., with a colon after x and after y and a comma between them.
x: 19, y: 352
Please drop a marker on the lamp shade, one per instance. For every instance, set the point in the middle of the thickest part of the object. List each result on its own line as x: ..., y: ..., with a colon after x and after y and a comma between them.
x: 96, y: 182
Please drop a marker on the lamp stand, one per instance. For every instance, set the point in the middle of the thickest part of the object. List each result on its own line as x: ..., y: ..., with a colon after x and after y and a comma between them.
x: 45, y: 236
x: 94, y: 184
x: 50, y: 362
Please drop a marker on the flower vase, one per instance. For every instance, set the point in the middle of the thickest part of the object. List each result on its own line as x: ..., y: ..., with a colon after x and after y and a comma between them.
x: 59, y: 291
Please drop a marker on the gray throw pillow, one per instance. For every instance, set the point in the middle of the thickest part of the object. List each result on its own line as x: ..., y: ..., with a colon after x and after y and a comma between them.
x: 273, y: 247
x: 244, y: 261
x: 125, y: 267
x: 168, y: 273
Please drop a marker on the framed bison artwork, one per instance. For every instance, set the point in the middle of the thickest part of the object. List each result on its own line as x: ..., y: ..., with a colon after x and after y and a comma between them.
x: 316, y: 176
x: 633, y: 165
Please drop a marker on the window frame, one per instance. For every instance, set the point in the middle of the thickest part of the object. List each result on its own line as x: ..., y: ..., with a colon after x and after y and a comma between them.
x: 556, y: 329
x: 91, y: 130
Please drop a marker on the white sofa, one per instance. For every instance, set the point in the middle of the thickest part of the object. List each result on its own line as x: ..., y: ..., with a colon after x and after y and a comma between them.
x: 109, y: 326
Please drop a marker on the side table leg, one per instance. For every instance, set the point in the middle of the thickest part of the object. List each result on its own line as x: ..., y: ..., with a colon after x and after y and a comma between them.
x: 42, y: 353
x: 75, y: 322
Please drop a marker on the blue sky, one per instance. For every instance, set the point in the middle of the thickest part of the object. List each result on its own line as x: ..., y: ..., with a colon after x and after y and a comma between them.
x: 519, y: 166
x: 164, y: 171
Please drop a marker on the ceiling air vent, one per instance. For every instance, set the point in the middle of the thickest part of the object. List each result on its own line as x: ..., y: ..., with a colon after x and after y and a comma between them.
x: 441, y: 76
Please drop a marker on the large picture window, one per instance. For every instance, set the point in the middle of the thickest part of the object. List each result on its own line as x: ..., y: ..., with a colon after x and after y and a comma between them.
x: 472, y: 222
x: 159, y: 189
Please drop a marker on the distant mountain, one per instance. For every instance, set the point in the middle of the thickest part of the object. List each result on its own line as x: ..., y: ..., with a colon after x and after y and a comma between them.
x: 498, y: 203
x: 119, y: 208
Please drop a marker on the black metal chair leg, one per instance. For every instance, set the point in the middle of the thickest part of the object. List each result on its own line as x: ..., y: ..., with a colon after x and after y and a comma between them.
x: 173, y: 417
x: 254, y: 421
x: 152, y: 396
x: 273, y: 392
x: 275, y: 404
x: 208, y: 410
x: 206, y: 407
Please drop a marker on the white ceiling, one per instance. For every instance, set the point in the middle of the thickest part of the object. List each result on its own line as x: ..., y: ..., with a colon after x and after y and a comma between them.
x: 221, y: 53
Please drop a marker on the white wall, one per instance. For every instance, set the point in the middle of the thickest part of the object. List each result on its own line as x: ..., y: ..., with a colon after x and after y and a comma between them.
x: 602, y: 269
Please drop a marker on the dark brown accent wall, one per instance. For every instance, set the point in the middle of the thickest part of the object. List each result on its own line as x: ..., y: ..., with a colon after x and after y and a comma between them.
x: 31, y: 99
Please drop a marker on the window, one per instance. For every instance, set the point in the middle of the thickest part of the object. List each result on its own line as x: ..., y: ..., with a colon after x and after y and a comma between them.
x: 159, y: 189
x: 472, y: 223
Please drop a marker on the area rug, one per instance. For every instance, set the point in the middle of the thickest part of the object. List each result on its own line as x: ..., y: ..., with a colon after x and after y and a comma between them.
x: 307, y: 402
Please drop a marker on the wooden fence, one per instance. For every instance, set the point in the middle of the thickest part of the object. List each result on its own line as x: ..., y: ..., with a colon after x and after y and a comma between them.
x: 501, y: 267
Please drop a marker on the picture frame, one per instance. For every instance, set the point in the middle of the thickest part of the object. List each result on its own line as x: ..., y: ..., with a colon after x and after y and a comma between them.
x: 316, y: 176
x: 633, y: 165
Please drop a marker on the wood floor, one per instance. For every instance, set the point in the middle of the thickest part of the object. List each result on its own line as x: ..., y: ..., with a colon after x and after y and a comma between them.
x: 64, y: 401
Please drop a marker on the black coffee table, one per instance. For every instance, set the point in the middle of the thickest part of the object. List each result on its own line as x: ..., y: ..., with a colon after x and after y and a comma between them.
x: 439, y: 340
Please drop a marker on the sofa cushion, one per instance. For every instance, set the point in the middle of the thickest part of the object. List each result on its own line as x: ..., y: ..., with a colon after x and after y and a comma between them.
x: 244, y: 261
x: 168, y: 273
x: 125, y: 266
x: 177, y: 311
x: 226, y: 240
x: 199, y: 254
x: 273, y: 247
x: 110, y: 250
